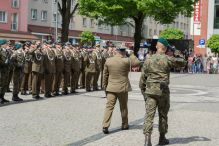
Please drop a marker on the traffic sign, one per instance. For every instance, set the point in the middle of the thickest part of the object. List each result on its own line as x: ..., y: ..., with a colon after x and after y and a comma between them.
x: 145, y: 43
x: 202, y: 42
x: 97, y: 42
x: 155, y: 37
x: 201, y: 46
x: 73, y: 41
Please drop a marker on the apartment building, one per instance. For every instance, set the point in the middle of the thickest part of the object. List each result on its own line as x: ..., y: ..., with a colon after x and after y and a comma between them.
x: 13, y: 21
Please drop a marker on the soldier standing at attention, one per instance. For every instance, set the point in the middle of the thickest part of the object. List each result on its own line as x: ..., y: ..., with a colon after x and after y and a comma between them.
x: 42, y: 80
x: 116, y: 83
x: 10, y: 69
x: 18, y: 59
x: 80, y: 61
x: 82, y: 67
x: 90, y: 70
x: 110, y: 52
x: 98, y: 60
x: 75, y: 69
x: 26, y: 82
x: 154, y: 83
x: 104, y: 55
x: 67, y: 68
x: 37, y: 69
x: 4, y: 70
x: 49, y: 65
x: 59, y: 61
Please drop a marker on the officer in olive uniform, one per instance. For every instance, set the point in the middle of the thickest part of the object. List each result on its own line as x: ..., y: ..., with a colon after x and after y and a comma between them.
x: 59, y: 61
x: 10, y: 69
x: 26, y: 82
x: 18, y: 59
x: 154, y: 83
x: 75, y: 69
x: 50, y: 68
x: 67, y: 68
x: 90, y: 70
x: 98, y: 60
x: 4, y: 64
x: 110, y: 52
x: 80, y: 61
x: 37, y: 69
x: 117, y: 85
x: 105, y: 55
x: 82, y: 67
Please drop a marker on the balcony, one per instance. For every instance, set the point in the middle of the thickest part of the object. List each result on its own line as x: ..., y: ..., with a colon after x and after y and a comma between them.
x: 14, y: 26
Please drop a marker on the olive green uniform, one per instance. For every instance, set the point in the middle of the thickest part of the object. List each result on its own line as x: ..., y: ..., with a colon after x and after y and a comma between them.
x: 98, y: 60
x: 49, y: 64
x: 76, y: 68
x: 3, y: 71
x: 67, y: 69
x: 82, y: 68
x: 10, y: 73
x: 156, y: 72
x: 59, y: 62
x: 110, y: 53
x: 105, y: 55
x: 90, y: 70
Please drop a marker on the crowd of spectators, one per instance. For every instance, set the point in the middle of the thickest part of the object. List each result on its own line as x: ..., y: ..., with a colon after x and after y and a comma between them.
x: 197, y: 63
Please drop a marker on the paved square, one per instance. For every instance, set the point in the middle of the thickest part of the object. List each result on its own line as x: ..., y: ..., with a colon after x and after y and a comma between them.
x: 77, y: 119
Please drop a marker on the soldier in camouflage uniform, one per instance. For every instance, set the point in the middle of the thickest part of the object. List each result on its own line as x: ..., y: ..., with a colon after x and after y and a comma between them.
x: 154, y: 83
x: 3, y: 70
x: 10, y: 69
x: 18, y: 60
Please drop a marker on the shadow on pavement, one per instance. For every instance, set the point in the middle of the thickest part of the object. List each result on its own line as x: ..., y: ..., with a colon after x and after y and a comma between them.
x: 187, y: 140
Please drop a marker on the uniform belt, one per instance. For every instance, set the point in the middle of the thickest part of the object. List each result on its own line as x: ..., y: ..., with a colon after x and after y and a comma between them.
x: 153, y: 84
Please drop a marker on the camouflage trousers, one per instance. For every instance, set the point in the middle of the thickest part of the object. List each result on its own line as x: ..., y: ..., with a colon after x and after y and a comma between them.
x: 17, y: 79
x: 163, y: 104
x: 2, y: 82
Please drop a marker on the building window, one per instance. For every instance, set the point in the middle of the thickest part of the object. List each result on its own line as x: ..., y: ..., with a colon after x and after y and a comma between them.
x: 160, y: 31
x: 133, y: 30
x: 187, y: 20
x: 43, y: 15
x: 127, y: 28
x: 142, y: 30
x: 91, y: 22
x: 100, y: 25
x: 84, y: 22
x: 216, y: 15
x: 14, y: 22
x: 3, y: 16
x: 155, y: 32
x: 54, y: 17
x: 72, y: 5
x: 173, y: 25
x: 150, y: 32
x: 15, y: 4
x: 71, y: 27
x: 177, y: 24
x: 150, y: 19
x: 106, y: 26
x: 181, y: 15
x: 184, y: 26
x: 181, y: 25
x: 187, y: 28
x: 120, y: 28
x: 33, y: 14
x: 168, y: 25
x: 45, y: 1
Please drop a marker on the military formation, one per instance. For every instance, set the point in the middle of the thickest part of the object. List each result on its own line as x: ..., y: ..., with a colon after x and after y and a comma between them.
x: 46, y: 68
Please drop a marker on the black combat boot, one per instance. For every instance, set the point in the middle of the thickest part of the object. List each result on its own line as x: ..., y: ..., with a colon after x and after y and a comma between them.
x: 3, y: 99
x: 148, y: 140
x: 16, y: 98
x: 163, y: 140
x: 105, y: 130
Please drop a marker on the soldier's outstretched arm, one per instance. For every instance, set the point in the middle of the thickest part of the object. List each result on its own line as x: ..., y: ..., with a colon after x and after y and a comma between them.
x: 134, y: 61
x: 105, y: 76
x: 177, y: 62
x: 143, y: 79
x: 31, y: 51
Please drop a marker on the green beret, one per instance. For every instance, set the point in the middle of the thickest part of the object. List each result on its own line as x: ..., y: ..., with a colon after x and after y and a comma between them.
x: 2, y: 42
x: 163, y: 41
x: 18, y: 46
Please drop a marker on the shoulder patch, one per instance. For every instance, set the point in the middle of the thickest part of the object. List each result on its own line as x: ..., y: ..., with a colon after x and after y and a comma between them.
x: 93, y: 54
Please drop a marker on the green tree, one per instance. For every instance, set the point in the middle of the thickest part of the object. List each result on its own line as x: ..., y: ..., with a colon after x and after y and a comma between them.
x: 87, y: 37
x: 67, y: 14
x: 172, y: 33
x: 213, y: 43
x: 117, y: 12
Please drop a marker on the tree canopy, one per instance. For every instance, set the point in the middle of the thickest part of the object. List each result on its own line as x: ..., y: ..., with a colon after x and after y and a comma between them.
x: 118, y: 12
x: 87, y: 37
x: 213, y: 43
x: 172, y: 33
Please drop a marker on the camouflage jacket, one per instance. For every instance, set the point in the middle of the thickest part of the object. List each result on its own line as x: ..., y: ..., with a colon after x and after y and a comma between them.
x: 156, y: 70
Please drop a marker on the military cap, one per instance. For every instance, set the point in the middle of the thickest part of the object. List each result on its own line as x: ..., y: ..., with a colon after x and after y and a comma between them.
x: 33, y: 42
x: 97, y: 45
x: 53, y: 46
x: 89, y: 47
x: 120, y: 48
x: 44, y: 43
x: 49, y: 42
x: 89, y: 51
x: 9, y: 44
x: 27, y: 44
x: 58, y: 43
x: 105, y: 47
x: 84, y: 46
x: 67, y: 44
x: 38, y: 45
x: 163, y: 41
x: 77, y: 44
x: 18, y: 46
x: 74, y: 45
x: 111, y: 45
x: 2, y: 42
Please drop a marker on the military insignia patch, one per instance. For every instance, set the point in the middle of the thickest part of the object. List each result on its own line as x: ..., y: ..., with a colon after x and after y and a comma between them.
x: 93, y: 54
